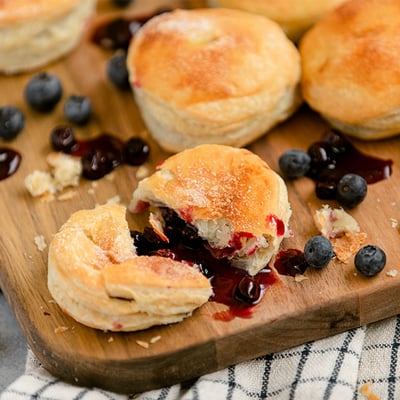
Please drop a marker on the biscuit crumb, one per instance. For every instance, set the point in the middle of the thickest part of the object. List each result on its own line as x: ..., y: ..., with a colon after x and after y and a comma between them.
x: 394, y: 222
x: 40, y: 242
x: 110, y: 339
x: 114, y: 200
x: 143, y: 172
x: 392, y: 272
x: 67, y: 195
x: 143, y: 344
x: 365, y: 390
x: 341, y: 229
x: 60, y: 329
x: 155, y: 339
x: 300, y: 278
x: 65, y: 170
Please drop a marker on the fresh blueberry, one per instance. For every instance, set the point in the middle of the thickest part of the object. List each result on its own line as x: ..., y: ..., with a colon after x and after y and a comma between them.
x: 43, y: 91
x: 136, y: 151
x: 370, y: 260
x: 318, y: 251
x: 122, y: 3
x: 351, y: 190
x: 294, y: 163
x: 12, y: 121
x: 117, y: 72
x: 78, y: 109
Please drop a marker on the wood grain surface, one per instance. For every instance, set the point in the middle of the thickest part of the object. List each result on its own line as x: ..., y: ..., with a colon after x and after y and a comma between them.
x: 328, y: 301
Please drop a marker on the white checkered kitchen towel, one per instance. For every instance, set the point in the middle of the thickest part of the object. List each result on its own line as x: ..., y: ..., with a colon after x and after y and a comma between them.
x: 360, y: 364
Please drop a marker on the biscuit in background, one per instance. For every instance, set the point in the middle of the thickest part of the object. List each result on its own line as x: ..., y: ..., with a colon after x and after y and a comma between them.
x: 350, y: 64
x: 212, y: 76
x: 294, y: 16
x: 35, y: 32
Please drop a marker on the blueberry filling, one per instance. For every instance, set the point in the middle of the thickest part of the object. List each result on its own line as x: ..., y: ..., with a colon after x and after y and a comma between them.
x: 232, y: 286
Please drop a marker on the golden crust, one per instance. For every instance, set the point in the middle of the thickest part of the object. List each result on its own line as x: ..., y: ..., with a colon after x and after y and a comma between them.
x: 18, y: 11
x: 350, y: 68
x: 207, y: 73
x: 225, y: 186
x: 96, y: 277
x: 294, y: 16
x: 34, y: 33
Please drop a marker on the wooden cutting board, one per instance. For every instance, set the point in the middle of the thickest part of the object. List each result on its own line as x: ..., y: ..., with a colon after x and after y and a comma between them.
x: 328, y: 301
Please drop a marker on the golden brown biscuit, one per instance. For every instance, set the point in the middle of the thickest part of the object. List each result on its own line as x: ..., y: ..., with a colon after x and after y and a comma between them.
x: 230, y: 195
x: 36, y: 32
x: 212, y: 76
x: 96, y: 277
x: 294, y: 16
x: 351, y: 74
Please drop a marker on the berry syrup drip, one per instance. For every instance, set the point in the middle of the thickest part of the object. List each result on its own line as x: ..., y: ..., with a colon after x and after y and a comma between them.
x: 290, y: 262
x: 101, y: 154
x: 231, y: 286
x: 334, y: 156
x: 10, y: 160
x: 117, y: 33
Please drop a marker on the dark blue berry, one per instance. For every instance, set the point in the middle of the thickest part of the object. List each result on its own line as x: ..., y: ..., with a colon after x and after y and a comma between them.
x: 294, y: 163
x: 351, y: 190
x: 136, y: 151
x: 248, y: 290
x: 318, y: 251
x: 96, y: 164
x: 117, y: 72
x: 43, y: 91
x: 12, y: 121
x: 370, y: 260
x: 62, y: 138
x: 78, y: 109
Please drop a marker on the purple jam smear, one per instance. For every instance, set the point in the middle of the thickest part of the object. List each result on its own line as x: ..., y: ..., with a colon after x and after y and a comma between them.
x: 10, y: 161
x: 334, y: 156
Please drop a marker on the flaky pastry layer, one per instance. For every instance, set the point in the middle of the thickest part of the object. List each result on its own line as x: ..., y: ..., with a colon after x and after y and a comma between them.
x: 96, y: 277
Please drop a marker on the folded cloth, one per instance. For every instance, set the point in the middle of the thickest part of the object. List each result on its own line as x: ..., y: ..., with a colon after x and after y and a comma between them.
x: 362, y: 363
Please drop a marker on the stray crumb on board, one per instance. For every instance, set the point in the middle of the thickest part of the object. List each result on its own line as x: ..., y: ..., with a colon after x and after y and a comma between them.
x: 143, y: 344
x: 60, y: 329
x: 40, y: 242
x: 114, y: 200
x: 155, y: 339
x: 392, y: 272
x: 110, y: 339
x: 300, y: 278
x: 365, y: 390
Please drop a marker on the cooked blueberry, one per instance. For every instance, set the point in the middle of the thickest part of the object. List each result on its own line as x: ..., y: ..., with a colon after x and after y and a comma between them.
x: 318, y: 251
x: 351, y: 190
x: 370, y: 260
x: 43, y: 91
x: 122, y: 3
x: 248, y: 290
x: 12, y: 121
x: 95, y: 164
x: 117, y: 72
x: 78, y: 109
x: 136, y: 151
x: 62, y: 138
x: 294, y: 163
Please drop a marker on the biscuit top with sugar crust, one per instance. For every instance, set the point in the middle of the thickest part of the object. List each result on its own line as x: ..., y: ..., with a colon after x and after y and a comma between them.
x: 212, y: 182
x: 187, y: 57
x: 350, y: 61
x: 18, y: 11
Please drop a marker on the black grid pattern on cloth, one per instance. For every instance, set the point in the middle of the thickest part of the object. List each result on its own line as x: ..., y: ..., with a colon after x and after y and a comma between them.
x: 334, y: 368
